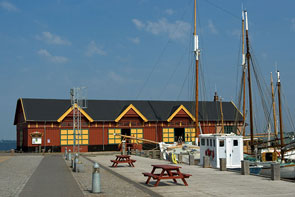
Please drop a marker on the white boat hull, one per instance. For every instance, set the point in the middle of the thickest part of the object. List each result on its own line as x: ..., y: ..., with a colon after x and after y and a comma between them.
x: 287, y: 172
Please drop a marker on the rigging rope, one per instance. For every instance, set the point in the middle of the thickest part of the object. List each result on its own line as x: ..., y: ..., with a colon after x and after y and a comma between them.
x: 223, y: 9
x: 160, y: 56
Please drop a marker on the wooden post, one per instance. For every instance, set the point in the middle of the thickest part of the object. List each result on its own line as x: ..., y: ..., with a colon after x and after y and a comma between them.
x: 244, y: 72
x: 206, y: 162
x: 221, y: 113
x: 248, y: 56
x: 275, y: 172
x: 280, y: 115
x: 191, y: 159
x: 222, y: 164
x: 245, y: 167
x: 196, y: 51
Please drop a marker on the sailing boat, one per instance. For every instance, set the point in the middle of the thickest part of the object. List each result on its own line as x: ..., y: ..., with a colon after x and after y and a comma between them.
x: 287, y: 170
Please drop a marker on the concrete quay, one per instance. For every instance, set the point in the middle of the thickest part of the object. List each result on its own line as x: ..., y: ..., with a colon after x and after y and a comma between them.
x: 50, y: 175
x: 203, y: 182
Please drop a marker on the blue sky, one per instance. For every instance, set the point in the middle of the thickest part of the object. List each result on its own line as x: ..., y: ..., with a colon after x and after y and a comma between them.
x: 136, y: 49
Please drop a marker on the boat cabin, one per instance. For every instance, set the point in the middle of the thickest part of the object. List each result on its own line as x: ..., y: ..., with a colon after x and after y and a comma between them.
x: 216, y: 146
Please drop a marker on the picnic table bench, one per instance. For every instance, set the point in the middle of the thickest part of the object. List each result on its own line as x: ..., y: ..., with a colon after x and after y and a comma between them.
x: 123, y: 159
x: 168, y: 172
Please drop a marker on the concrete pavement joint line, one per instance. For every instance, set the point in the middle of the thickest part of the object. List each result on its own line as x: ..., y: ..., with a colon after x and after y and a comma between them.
x: 20, y: 188
x: 52, y: 178
x: 142, y: 188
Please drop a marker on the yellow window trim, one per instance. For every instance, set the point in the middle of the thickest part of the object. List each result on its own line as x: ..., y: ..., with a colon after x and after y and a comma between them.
x: 181, y: 107
x: 24, y: 113
x: 70, y: 110
x: 127, y: 109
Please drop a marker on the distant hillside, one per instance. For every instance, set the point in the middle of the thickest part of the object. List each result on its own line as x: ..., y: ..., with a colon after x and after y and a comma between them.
x: 7, y: 145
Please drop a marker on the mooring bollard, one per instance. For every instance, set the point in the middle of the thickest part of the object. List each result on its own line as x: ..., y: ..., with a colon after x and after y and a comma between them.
x: 154, y: 154
x: 245, y: 167
x: 76, y: 160
x: 70, y: 155
x: 123, y: 147
x: 206, y: 162
x: 222, y: 164
x: 180, y: 158
x: 72, y: 163
x: 66, y: 153
x: 95, y: 179
x: 162, y: 155
x: 191, y: 160
x: 275, y: 172
x: 12, y: 152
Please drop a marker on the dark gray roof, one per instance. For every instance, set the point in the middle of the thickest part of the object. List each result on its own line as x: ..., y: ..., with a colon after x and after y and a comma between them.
x: 109, y: 110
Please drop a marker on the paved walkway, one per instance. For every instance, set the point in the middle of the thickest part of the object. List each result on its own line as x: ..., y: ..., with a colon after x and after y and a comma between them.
x: 4, y: 158
x: 51, y: 178
x: 111, y: 185
x: 203, y: 182
x: 15, y: 172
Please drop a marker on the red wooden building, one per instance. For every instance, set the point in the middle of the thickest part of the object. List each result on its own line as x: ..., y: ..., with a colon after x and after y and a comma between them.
x: 48, y: 123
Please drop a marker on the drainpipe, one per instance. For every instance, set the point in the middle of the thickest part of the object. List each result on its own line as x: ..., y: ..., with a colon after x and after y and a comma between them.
x: 45, y: 136
x: 103, y: 135
x: 157, y: 131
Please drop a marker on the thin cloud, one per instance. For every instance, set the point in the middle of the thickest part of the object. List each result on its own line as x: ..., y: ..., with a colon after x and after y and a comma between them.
x: 52, y: 39
x: 212, y: 27
x: 169, y: 12
x: 175, y: 30
x: 138, y: 23
x: 135, y: 40
x: 8, y: 6
x: 115, y: 77
x: 52, y: 58
x: 94, y: 49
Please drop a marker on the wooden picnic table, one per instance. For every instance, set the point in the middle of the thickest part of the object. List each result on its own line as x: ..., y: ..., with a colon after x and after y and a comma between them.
x: 168, y: 172
x: 123, y: 159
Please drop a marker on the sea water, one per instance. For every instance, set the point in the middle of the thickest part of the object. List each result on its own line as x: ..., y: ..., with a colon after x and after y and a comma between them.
x: 7, y: 145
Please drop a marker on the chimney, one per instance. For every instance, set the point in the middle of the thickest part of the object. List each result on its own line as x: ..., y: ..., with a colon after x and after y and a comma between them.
x: 216, y: 97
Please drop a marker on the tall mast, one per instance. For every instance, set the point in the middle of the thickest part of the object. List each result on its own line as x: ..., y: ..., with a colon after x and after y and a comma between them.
x: 273, y: 107
x: 280, y: 114
x: 244, y: 71
x: 249, y: 84
x: 196, y: 52
x: 221, y: 113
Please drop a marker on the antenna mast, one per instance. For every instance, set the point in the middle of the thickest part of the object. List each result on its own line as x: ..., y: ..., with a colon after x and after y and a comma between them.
x: 197, y: 53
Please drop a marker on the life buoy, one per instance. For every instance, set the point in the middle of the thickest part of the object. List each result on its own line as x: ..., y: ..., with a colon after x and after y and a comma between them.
x: 120, y: 147
x: 278, y: 153
x: 173, y: 158
x: 212, y: 154
x: 209, y: 152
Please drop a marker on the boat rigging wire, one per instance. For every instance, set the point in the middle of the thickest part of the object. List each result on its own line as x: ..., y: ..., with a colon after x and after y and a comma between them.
x: 222, y: 9
x: 157, y: 62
